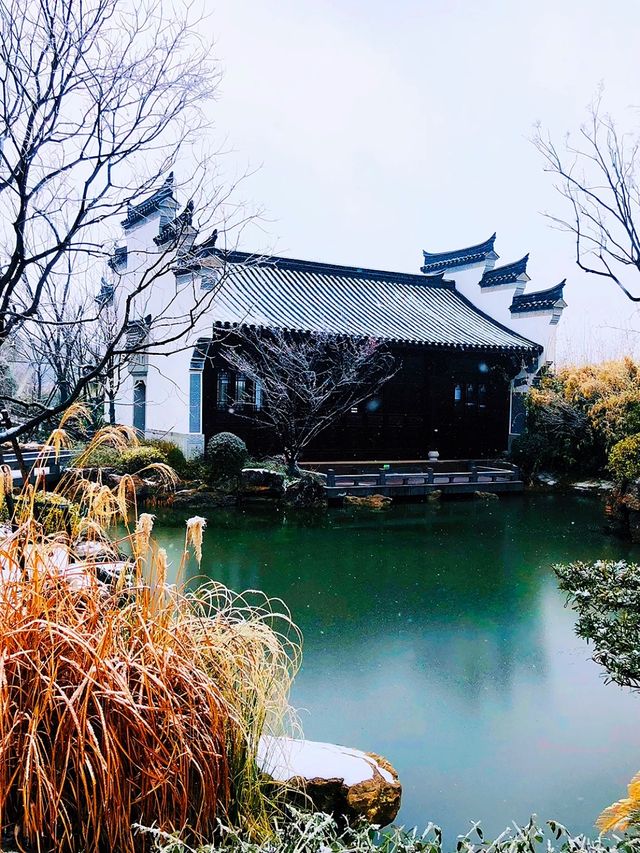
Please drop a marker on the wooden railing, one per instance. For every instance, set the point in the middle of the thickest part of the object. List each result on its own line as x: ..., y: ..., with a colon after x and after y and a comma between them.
x: 430, y: 476
x: 37, y: 463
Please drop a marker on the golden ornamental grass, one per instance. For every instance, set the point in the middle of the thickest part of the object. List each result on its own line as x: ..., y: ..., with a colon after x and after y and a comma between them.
x: 131, y: 703
x: 620, y: 816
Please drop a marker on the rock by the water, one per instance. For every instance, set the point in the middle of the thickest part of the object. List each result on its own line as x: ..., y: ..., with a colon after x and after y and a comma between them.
x: 306, y: 492
x: 369, y: 501
x: 545, y: 479
x: 202, y: 499
x: 593, y: 486
x: 341, y: 781
x: 486, y: 496
x: 95, y: 550
x: 262, y: 481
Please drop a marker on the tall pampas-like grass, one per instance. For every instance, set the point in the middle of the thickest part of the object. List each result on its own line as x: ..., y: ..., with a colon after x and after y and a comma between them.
x: 132, y: 702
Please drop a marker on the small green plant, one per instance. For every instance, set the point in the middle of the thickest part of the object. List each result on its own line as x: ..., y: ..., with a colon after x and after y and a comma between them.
x: 624, y: 459
x: 54, y: 512
x: 227, y: 455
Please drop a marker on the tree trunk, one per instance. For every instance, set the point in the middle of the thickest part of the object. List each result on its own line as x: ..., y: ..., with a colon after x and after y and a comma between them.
x: 292, y: 466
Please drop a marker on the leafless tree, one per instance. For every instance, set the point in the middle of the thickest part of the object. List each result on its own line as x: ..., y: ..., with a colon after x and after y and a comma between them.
x: 598, y: 174
x: 99, y: 99
x: 76, y: 323
x: 307, y: 382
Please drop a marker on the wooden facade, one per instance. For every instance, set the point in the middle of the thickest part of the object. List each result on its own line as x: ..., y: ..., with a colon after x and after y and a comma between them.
x: 446, y: 400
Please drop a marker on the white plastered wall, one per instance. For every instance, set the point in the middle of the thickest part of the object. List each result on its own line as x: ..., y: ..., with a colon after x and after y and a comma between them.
x: 168, y: 301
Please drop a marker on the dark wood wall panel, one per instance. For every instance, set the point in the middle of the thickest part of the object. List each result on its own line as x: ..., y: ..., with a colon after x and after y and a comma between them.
x: 417, y: 411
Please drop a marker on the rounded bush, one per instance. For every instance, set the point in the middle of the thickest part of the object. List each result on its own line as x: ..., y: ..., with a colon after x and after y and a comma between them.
x: 137, y: 458
x: 227, y: 455
x: 624, y: 459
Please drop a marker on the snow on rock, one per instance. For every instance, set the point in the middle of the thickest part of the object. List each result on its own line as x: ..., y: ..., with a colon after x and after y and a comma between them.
x: 593, y: 486
x: 337, y: 779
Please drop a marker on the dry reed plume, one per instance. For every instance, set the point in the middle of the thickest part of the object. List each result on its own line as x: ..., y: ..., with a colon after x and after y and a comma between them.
x: 131, y: 702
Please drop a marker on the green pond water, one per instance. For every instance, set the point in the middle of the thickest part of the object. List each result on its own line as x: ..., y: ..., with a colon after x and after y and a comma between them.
x: 436, y: 636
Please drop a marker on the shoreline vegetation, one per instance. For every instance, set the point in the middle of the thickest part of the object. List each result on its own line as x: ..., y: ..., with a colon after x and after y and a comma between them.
x: 583, y: 423
x: 127, y: 700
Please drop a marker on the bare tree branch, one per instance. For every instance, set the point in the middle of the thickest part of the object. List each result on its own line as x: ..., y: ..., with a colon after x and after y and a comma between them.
x: 307, y: 382
x: 598, y: 177
x: 99, y: 100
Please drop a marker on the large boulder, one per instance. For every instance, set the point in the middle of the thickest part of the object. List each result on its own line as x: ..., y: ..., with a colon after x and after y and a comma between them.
x: 201, y: 499
x: 305, y: 492
x: 262, y: 482
x: 338, y: 780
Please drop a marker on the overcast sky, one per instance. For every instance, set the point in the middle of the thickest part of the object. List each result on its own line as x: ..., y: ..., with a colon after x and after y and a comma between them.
x: 381, y: 129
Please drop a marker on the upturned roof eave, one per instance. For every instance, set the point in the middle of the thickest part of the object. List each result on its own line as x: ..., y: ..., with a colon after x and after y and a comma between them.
x: 458, y: 257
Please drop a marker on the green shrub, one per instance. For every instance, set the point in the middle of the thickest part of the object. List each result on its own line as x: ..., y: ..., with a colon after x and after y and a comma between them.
x: 196, y: 468
x: 102, y: 457
x: 172, y: 453
x: 576, y: 416
x: 137, y: 458
x: 529, y: 452
x: 54, y: 512
x: 227, y: 455
x: 624, y: 459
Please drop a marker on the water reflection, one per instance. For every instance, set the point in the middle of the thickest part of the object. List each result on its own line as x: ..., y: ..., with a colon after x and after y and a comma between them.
x: 436, y: 636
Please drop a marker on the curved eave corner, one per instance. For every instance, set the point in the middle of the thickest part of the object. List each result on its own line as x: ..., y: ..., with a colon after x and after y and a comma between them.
x: 547, y: 300
x: 441, y: 261
x: 138, y: 212
x: 513, y: 273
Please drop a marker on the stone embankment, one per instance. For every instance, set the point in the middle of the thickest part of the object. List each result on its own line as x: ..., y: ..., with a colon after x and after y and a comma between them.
x: 258, y: 486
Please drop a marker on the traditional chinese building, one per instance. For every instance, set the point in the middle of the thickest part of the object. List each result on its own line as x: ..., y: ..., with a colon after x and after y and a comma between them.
x: 469, y: 335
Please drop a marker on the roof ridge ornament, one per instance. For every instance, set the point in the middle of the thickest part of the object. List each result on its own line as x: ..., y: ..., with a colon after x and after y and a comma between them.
x: 178, y: 226
x: 209, y: 243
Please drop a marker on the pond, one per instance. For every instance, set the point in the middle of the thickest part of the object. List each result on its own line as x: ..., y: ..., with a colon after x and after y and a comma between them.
x: 436, y: 636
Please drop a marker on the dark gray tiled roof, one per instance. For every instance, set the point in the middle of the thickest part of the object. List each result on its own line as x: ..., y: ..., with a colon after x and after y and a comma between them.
x: 106, y: 293
x: 306, y: 296
x: 118, y: 260
x: 137, y: 212
x: 506, y: 274
x: 542, y: 300
x: 177, y: 227
x: 436, y: 261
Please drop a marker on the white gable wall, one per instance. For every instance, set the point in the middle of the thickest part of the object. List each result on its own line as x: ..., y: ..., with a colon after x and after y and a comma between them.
x: 494, y: 301
x: 168, y: 300
x: 538, y: 326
